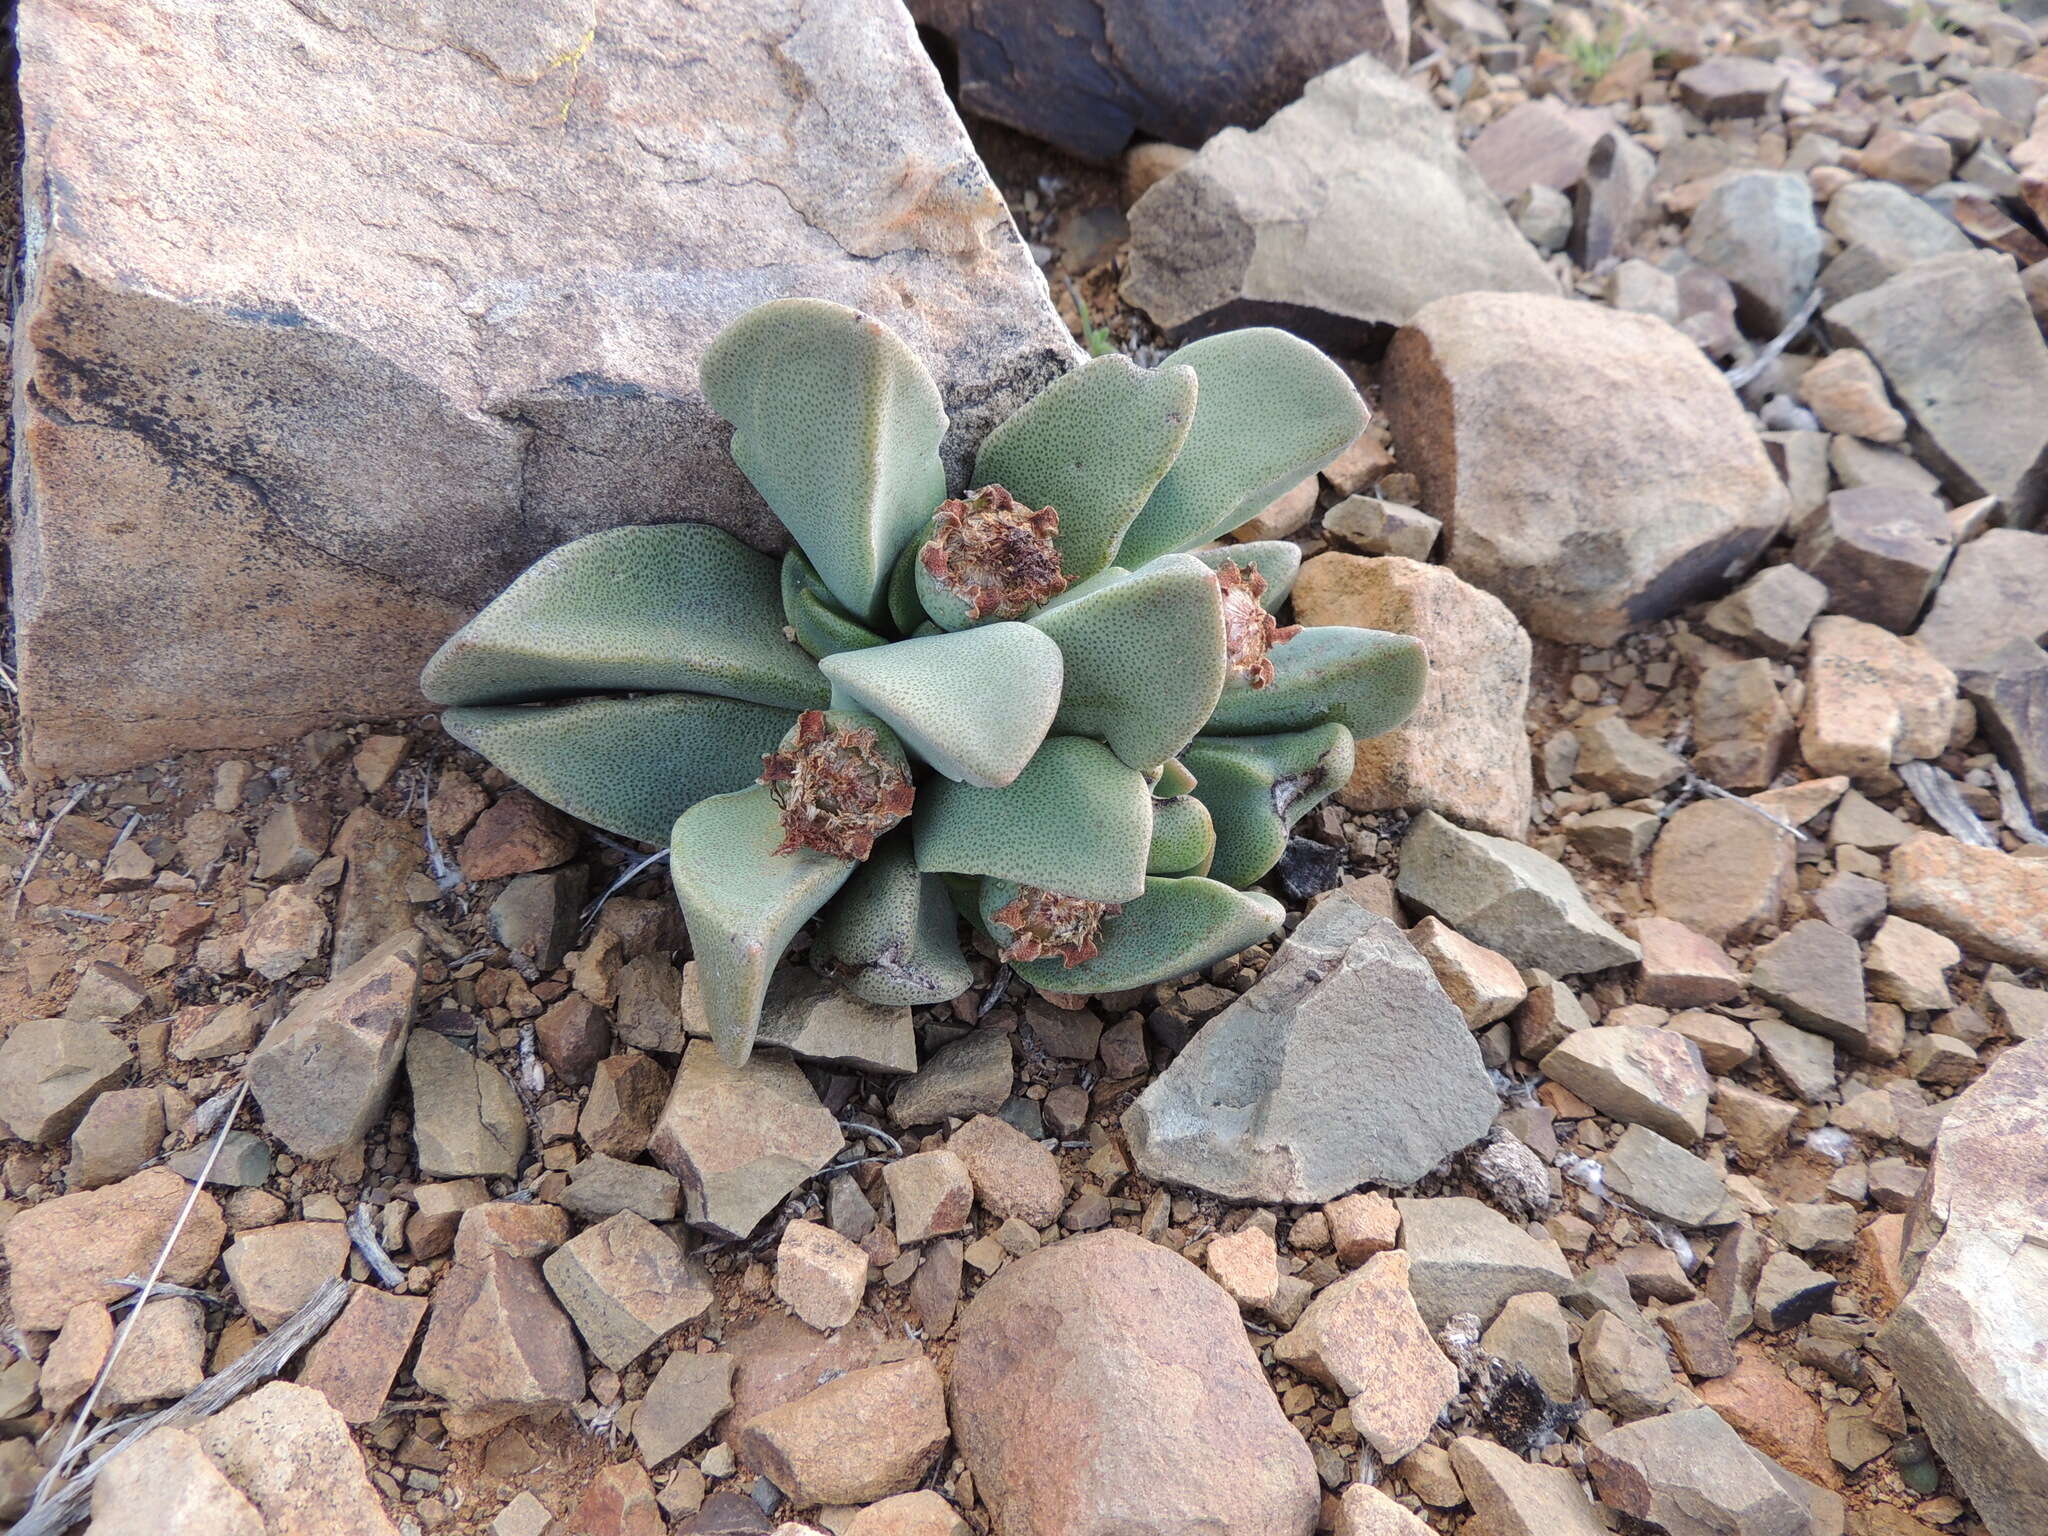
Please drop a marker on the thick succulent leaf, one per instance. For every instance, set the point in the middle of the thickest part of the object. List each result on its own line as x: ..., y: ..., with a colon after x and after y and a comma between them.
x: 1076, y: 821
x: 1183, y: 837
x: 1256, y: 787
x: 1176, y: 927
x: 630, y: 766
x: 906, y: 611
x: 1278, y: 560
x: 743, y: 902
x: 1366, y: 680
x: 838, y: 425
x: 808, y: 607
x: 1271, y: 411
x: 975, y: 705
x: 680, y: 608
x: 1174, y: 779
x: 1144, y: 658
x: 1092, y: 445
x: 892, y: 935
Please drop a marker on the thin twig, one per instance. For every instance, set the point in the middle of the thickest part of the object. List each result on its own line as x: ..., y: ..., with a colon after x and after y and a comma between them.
x: 54, y: 1513
x: 142, y: 1297
x: 2012, y: 808
x: 364, y: 1235
x: 43, y: 846
x: 1938, y: 793
x: 632, y: 873
x: 164, y: 1288
x: 859, y: 1128
x: 1747, y: 373
x: 1695, y: 785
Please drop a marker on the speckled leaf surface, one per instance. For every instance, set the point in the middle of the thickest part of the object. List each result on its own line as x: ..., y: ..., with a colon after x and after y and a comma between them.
x: 906, y: 612
x: 630, y: 766
x: 1092, y: 445
x: 837, y: 425
x: 975, y: 705
x: 1076, y: 821
x: 892, y: 935
x: 1177, y: 926
x: 808, y: 608
x: 679, y: 608
x: 1270, y: 410
x: 1366, y: 680
x: 1183, y: 837
x: 1174, y: 779
x: 743, y: 903
x: 1256, y: 787
x: 1278, y: 560
x: 1144, y: 658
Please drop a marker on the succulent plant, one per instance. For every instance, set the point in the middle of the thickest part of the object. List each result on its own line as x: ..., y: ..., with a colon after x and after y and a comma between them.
x: 1045, y: 708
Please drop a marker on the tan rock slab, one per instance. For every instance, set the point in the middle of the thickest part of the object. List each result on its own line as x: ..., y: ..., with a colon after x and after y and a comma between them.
x: 804, y: 1447
x: 1989, y: 902
x: 63, y: 1252
x: 276, y: 1269
x: 1462, y: 752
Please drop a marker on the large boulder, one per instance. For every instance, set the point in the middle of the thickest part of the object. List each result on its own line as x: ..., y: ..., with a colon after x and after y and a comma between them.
x: 1087, y: 76
x: 1591, y: 468
x: 1344, y: 1064
x: 1463, y: 752
x: 1103, y: 1386
x: 1353, y: 208
x: 1967, y: 1341
x: 391, y: 300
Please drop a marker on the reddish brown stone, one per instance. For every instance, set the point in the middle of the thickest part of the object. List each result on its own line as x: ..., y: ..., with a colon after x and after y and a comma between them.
x: 574, y: 1036
x: 357, y: 1359
x: 517, y: 836
x: 620, y: 1502
x: 1773, y: 1414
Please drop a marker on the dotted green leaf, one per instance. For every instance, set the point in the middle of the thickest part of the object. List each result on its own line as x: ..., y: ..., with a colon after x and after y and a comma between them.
x: 892, y: 935
x: 630, y: 766
x: 1092, y: 445
x: 1144, y: 656
x: 1174, y: 779
x: 838, y: 426
x: 1175, y: 927
x: 1183, y: 837
x: 743, y: 902
x: 1256, y: 787
x: 684, y: 607
x: 1271, y: 410
x: 974, y: 705
x: 808, y: 607
x: 1076, y: 821
x: 1366, y: 680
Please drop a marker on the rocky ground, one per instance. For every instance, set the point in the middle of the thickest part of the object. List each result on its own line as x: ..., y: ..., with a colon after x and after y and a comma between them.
x: 1638, y: 1129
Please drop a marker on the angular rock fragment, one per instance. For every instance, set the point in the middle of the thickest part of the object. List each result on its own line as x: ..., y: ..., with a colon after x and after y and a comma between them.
x: 626, y: 1284
x: 50, y: 1072
x: 1689, y: 1474
x: 1814, y: 972
x: 1085, y: 1366
x: 1879, y: 551
x: 1638, y: 1073
x: 355, y: 1362
x: 1872, y: 700
x: 1467, y: 1257
x: 1591, y: 468
x: 467, y: 1118
x: 1987, y: 901
x: 62, y: 1252
x: 969, y: 1076
x: 1756, y: 228
x: 804, y: 1446
x: 323, y: 1072
x: 1364, y: 1336
x: 1508, y: 897
x: 1996, y: 591
x: 741, y: 1138
x: 1462, y: 752
x: 1344, y: 1064
x: 293, y: 1456
x: 1363, y: 164
x: 1964, y: 1342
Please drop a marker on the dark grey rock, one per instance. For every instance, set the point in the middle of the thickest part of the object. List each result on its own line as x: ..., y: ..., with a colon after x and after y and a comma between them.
x: 1814, y: 972
x: 2010, y: 689
x: 1996, y: 591
x: 1307, y: 868
x: 1790, y: 1291
x: 1879, y: 552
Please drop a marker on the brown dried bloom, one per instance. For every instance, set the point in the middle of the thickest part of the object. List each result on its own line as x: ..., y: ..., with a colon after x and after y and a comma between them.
x: 1047, y: 923
x: 995, y: 555
x: 1249, y: 632
x: 838, y: 789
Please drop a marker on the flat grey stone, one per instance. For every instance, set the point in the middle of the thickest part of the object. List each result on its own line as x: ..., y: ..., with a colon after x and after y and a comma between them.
x: 50, y: 1072
x: 1344, y: 1064
x: 1663, y: 1178
x: 1996, y: 591
x: 1508, y: 897
x: 1814, y: 971
x: 466, y: 1118
x: 1638, y: 1073
x: 1757, y: 229
x: 1466, y: 1257
x: 817, y: 1019
x: 966, y: 1077
x: 1805, y: 1060
x: 1689, y: 1474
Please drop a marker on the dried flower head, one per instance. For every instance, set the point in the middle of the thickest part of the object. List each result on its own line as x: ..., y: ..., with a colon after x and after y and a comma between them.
x: 1048, y: 923
x: 838, y: 789
x: 995, y: 555
x: 1249, y: 632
